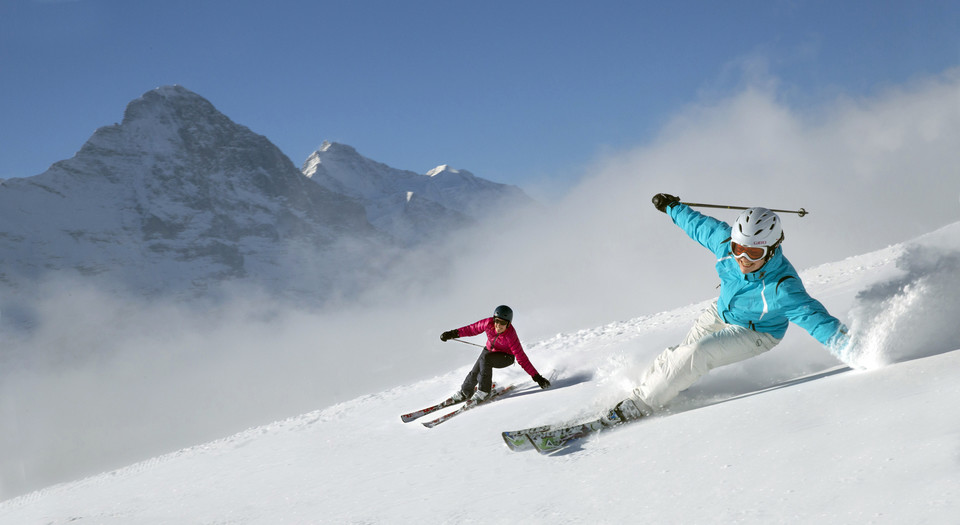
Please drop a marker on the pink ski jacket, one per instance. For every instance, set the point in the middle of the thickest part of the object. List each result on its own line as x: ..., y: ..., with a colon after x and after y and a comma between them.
x: 507, y: 342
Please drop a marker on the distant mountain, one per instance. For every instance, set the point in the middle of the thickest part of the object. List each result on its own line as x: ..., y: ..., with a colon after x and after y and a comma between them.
x: 176, y: 197
x: 409, y: 206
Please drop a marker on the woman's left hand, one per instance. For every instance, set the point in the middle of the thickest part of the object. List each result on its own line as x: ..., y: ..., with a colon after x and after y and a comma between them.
x: 542, y: 381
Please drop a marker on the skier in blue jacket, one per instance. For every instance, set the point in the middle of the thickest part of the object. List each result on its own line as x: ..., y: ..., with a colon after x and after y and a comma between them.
x: 760, y: 293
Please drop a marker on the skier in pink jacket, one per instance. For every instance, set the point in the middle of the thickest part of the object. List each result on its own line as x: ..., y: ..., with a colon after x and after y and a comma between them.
x: 502, y: 350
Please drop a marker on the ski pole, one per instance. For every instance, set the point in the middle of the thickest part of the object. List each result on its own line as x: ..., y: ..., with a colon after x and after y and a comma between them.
x: 468, y: 343
x: 801, y: 212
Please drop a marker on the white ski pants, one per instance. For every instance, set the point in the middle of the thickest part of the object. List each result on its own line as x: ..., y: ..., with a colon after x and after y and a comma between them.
x: 709, y: 344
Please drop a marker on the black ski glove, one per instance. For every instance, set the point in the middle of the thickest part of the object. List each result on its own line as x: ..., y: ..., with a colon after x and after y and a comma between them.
x: 662, y: 201
x: 449, y: 334
x: 542, y: 381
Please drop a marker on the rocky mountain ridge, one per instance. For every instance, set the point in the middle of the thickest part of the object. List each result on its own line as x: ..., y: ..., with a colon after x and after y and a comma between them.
x: 177, y: 198
x: 411, y: 207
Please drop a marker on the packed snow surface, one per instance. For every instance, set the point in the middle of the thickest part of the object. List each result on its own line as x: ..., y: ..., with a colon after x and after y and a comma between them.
x: 877, y: 441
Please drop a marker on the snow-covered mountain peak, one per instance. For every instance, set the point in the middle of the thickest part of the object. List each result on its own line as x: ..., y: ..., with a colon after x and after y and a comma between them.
x: 179, y: 197
x: 171, y: 93
x: 439, y: 169
x: 180, y: 185
x: 336, y: 148
x: 446, y: 171
x: 340, y: 161
x: 172, y: 122
x: 168, y: 105
x: 444, y: 175
x: 445, y: 198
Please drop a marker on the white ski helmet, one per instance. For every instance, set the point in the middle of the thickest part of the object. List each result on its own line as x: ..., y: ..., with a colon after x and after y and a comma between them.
x: 758, y: 227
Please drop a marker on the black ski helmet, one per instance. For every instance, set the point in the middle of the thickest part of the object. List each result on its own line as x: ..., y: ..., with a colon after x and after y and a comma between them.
x: 504, y: 312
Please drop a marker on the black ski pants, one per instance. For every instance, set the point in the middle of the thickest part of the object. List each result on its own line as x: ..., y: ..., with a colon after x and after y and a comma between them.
x: 483, y: 370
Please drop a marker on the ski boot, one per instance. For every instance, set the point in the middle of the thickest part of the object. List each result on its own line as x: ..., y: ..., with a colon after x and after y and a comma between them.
x: 480, y: 396
x: 460, y: 396
x: 629, y: 409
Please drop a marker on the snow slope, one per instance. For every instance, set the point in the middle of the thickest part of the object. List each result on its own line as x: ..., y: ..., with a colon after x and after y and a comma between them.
x: 876, y: 444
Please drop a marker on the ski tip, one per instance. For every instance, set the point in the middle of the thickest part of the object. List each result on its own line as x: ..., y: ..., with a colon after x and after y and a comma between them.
x: 516, y: 442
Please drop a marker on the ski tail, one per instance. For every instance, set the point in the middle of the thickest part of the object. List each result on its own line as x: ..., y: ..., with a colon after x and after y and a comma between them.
x: 417, y: 414
x: 406, y: 418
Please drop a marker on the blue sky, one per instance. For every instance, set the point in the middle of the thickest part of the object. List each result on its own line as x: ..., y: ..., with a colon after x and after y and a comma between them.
x: 524, y: 92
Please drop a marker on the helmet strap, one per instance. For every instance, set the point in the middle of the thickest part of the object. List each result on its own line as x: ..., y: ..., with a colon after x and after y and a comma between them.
x: 773, y: 249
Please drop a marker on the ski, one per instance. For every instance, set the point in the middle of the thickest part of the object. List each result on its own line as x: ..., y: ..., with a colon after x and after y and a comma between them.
x: 553, y: 439
x: 406, y: 418
x: 470, y: 403
x: 550, y: 439
x: 417, y: 414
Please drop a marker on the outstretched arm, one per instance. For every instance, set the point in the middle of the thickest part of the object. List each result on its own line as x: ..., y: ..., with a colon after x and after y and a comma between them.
x: 809, y: 314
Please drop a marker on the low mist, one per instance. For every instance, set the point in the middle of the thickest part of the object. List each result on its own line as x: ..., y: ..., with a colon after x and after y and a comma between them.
x: 103, y: 380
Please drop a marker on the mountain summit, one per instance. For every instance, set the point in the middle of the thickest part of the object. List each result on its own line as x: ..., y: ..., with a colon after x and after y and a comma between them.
x: 409, y: 206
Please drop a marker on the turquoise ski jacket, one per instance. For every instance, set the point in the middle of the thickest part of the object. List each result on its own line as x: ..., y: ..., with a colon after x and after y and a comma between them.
x: 765, y: 300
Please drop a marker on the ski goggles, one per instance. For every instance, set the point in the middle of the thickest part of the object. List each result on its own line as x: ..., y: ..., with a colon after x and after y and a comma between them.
x: 497, y: 320
x: 751, y: 253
